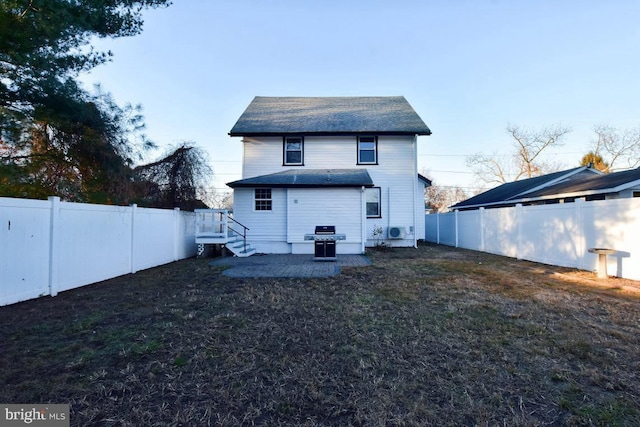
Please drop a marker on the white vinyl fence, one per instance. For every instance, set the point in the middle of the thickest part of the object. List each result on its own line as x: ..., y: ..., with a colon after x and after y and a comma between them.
x: 49, y: 246
x: 558, y: 234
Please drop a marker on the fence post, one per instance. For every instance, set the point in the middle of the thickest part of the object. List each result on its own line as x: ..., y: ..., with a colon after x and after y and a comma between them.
x: 580, y: 242
x: 176, y: 232
x: 133, y: 237
x: 54, y: 245
x: 456, y: 219
x: 438, y: 227
x: 519, y: 243
x: 482, y: 246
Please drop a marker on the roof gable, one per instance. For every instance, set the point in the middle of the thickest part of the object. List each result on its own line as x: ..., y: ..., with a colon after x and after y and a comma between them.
x: 329, y: 115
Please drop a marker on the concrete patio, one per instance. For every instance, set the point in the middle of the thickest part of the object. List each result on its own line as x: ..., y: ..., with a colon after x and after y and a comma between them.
x: 287, y: 265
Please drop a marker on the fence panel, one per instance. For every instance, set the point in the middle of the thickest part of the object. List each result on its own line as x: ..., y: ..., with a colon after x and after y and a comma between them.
x: 51, y: 246
x: 186, y: 235
x: 501, y: 231
x: 551, y: 234
x: 556, y: 234
x: 431, y: 227
x: 448, y: 229
x: 93, y: 243
x: 154, y: 238
x: 469, y: 230
x: 24, y: 249
x: 616, y: 225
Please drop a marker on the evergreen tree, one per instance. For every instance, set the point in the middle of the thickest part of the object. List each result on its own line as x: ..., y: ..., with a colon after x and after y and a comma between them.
x: 55, y: 138
x: 595, y: 161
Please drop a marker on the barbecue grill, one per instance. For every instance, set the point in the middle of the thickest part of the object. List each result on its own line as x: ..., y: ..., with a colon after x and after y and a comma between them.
x: 325, y: 239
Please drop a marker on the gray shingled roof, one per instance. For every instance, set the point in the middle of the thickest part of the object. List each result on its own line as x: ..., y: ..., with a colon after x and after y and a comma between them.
x: 507, y: 193
x: 329, y: 115
x: 308, y: 178
x: 610, y: 183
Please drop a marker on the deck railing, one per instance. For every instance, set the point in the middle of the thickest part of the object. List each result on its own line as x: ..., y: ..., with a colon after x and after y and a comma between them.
x: 217, y: 226
x: 244, y: 231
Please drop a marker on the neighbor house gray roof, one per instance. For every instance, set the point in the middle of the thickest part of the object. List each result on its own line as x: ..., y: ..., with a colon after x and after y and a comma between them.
x: 308, y: 178
x: 595, y: 184
x: 510, y: 192
x: 426, y: 181
x: 381, y: 115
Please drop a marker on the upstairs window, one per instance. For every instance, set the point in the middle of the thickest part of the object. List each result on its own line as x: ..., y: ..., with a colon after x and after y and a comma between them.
x: 367, y: 150
x: 262, y: 199
x: 372, y: 200
x: 293, y: 150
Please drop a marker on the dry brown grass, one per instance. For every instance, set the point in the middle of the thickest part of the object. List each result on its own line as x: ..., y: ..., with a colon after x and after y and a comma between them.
x: 433, y: 336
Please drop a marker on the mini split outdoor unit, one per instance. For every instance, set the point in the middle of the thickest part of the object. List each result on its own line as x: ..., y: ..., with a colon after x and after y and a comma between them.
x: 396, y: 232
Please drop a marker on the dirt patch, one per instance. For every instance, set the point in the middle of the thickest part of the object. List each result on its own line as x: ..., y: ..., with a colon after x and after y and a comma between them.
x: 433, y: 335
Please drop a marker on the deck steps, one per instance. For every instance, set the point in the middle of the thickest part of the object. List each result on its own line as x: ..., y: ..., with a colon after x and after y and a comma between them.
x: 217, y: 227
x: 239, y: 248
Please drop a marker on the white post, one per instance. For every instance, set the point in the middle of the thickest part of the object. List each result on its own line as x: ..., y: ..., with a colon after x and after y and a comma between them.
x: 438, y: 227
x: 456, y: 218
x: 580, y: 241
x: 519, y: 237
x: 54, y: 245
x: 176, y: 233
x: 482, y: 245
x: 133, y: 238
x: 363, y: 219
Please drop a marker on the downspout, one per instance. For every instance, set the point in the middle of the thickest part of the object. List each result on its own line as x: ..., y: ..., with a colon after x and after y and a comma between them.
x: 415, y: 190
x: 286, y: 220
x: 363, y: 221
x: 389, y: 222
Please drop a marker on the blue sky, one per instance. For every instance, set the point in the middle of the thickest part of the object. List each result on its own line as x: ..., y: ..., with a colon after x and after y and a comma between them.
x: 469, y: 68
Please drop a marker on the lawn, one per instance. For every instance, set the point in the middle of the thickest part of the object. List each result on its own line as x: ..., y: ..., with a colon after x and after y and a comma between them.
x: 427, y: 336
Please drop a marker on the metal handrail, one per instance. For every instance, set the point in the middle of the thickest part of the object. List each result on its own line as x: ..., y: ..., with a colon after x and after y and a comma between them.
x: 234, y: 220
x: 244, y: 231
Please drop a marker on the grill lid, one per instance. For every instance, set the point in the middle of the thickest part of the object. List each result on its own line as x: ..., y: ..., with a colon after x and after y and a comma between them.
x: 325, y: 229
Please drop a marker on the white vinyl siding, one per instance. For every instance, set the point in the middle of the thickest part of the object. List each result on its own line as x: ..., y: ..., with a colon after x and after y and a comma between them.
x: 263, y: 155
x: 395, y: 174
x: 309, y: 207
x: 264, y: 226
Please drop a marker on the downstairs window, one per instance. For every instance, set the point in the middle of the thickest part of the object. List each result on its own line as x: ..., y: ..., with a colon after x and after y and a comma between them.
x: 372, y: 199
x: 262, y: 199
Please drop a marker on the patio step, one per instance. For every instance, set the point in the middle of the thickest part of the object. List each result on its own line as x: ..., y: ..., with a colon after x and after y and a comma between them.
x: 239, y: 248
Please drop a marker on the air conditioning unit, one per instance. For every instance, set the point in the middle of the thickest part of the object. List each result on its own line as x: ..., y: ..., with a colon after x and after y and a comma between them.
x: 397, y: 232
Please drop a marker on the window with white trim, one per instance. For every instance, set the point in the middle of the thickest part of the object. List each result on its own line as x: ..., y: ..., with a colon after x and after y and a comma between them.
x: 293, y: 150
x: 367, y: 150
x: 262, y: 197
x: 372, y: 200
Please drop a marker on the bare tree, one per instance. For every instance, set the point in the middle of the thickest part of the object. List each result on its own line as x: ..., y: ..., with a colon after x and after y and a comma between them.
x: 524, y: 160
x: 620, y: 149
x: 216, y: 198
x: 438, y: 198
x: 176, y: 180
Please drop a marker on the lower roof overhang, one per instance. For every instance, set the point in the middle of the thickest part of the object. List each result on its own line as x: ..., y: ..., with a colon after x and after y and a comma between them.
x: 308, y: 178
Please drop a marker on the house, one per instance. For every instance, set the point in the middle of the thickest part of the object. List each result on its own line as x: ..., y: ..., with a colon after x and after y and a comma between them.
x: 347, y: 162
x: 558, y: 187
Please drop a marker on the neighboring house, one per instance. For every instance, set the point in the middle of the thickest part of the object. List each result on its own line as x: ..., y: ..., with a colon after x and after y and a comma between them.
x: 559, y: 187
x: 348, y: 162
